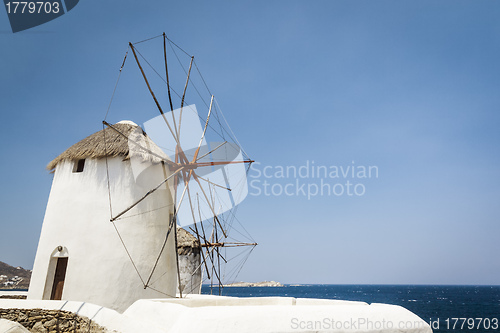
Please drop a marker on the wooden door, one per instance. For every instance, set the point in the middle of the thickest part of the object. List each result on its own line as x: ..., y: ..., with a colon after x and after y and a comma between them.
x: 57, y: 287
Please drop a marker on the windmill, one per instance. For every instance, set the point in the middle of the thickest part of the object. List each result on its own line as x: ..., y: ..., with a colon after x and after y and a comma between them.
x: 205, y: 166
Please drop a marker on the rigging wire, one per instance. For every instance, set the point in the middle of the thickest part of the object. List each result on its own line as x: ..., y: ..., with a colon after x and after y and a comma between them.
x: 229, y: 216
x: 111, y: 207
x: 145, y: 40
x: 241, y: 264
x: 185, y: 72
x: 218, y: 121
x: 234, y: 136
x: 161, y: 292
x: 161, y: 251
x: 178, y: 46
x: 116, y: 84
x: 178, y: 95
x: 128, y: 254
x: 107, y: 170
x: 206, y: 86
x: 144, y: 213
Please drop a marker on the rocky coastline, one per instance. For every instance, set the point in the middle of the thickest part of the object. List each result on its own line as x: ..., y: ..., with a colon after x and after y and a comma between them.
x: 255, y: 284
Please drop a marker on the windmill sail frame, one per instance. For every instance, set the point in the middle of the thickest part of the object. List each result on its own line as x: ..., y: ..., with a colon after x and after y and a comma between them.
x: 207, y: 179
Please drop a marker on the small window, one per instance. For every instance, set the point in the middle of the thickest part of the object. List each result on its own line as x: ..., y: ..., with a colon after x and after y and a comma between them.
x: 79, y: 165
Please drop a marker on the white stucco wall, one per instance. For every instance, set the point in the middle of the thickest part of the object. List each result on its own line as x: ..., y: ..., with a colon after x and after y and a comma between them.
x: 77, y: 218
x: 219, y: 314
x: 190, y: 273
x: 202, y: 313
x: 105, y: 317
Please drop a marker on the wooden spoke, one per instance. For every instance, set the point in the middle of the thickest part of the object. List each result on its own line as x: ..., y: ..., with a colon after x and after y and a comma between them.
x: 202, y: 164
x: 209, y: 204
x: 151, y: 92
x: 204, y: 130
x: 145, y: 196
x: 168, y: 86
x: 199, y: 158
x: 184, y: 95
x: 208, y: 181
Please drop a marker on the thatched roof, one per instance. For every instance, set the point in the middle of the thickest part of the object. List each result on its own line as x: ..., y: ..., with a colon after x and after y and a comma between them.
x: 186, y: 243
x: 110, y: 143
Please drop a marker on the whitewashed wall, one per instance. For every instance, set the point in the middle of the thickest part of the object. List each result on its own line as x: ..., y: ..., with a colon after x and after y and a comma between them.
x: 190, y: 273
x: 78, y: 219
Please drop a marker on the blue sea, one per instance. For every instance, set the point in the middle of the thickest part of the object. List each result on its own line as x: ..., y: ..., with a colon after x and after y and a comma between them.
x: 446, y: 308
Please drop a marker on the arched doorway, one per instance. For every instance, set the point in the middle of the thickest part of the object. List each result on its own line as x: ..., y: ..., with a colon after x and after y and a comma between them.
x: 59, y: 276
x: 56, y: 274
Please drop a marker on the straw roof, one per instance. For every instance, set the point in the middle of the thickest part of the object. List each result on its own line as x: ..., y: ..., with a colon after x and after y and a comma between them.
x: 186, y: 243
x: 110, y: 143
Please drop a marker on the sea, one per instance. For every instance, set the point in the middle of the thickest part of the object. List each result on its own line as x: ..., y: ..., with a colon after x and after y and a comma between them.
x: 445, y: 308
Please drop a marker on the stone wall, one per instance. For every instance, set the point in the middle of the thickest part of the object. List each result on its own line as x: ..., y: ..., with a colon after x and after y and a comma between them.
x: 51, y: 321
x: 13, y: 296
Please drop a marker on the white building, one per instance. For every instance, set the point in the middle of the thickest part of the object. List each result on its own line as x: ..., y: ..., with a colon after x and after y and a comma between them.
x: 99, y: 266
x: 190, y: 266
x: 81, y: 255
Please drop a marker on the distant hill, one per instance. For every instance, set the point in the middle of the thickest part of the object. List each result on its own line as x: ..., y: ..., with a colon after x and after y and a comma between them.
x: 14, y: 277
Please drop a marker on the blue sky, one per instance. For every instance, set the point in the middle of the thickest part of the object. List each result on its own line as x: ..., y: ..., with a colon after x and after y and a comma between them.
x: 408, y: 86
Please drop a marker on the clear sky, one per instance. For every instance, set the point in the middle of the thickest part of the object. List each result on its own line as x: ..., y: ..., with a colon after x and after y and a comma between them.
x: 409, y: 87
